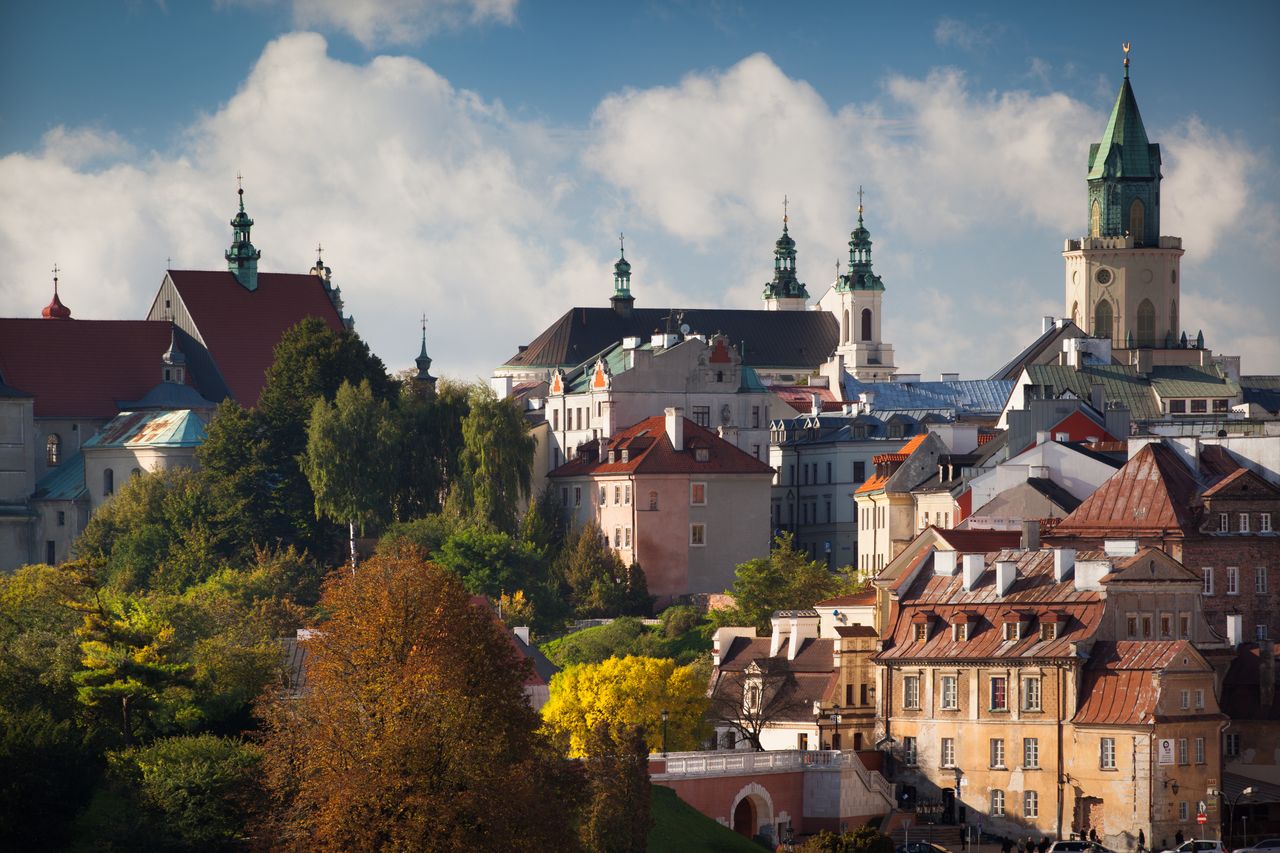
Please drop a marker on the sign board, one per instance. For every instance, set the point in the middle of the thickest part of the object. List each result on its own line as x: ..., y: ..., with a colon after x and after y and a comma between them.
x: 1165, y: 751
x: 1202, y: 808
x: 1200, y: 818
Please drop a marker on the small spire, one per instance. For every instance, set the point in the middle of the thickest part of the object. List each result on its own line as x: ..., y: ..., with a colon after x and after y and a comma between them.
x: 859, y: 204
x: 55, y: 310
x: 1126, y: 45
x: 423, y: 378
x: 785, y: 216
x: 622, y: 245
x: 55, y: 279
x: 240, y: 190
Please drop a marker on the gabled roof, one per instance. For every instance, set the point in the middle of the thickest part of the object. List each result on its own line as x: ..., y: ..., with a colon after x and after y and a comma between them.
x: 1241, y: 483
x: 1034, y: 498
x: 241, y: 327
x: 649, y: 451
x: 777, y: 339
x: 1120, y: 686
x: 1151, y: 495
x: 1049, y: 342
x: 1150, y: 565
x: 80, y: 368
x: 816, y: 654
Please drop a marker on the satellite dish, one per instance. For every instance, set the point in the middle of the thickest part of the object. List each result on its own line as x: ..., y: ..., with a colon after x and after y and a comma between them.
x: 684, y: 328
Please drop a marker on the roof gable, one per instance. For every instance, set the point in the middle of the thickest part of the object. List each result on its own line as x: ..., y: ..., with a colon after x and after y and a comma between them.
x: 1242, y: 483
x: 1152, y: 494
x: 1151, y: 565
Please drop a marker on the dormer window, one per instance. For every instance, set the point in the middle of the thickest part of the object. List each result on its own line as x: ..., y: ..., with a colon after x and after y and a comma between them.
x: 702, y: 454
x: 626, y: 454
x: 613, y: 455
x: 1010, y: 631
x: 921, y: 630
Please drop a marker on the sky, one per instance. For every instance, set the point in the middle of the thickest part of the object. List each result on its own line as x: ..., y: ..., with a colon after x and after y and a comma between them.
x: 475, y: 160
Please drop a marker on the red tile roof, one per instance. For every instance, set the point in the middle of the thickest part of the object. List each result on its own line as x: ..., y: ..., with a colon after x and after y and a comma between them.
x: 877, y: 482
x: 800, y: 397
x: 240, y: 327
x: 81, y: 368
x: 1120, y: 681
x: 1151, y: 495
x: 980, y: 541
x: 865, y: 597
x: 649, y: 451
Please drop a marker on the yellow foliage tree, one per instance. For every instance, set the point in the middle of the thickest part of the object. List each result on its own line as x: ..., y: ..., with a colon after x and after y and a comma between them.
x: 623, y: 693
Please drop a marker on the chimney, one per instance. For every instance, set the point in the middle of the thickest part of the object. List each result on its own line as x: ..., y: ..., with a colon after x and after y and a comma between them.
x: 944, y: 563
x: 802, y: 628
x: 781, y: 629
x: 1235, y: 629
x: 815, y: 404
x: 1064, y: 562
x: 1089, y: 574
x: 1097, y: 398
x: 974, y: 566
x: 1046, y: 324
x: 675, y: 427
x: 1038, y: 472
x: 1042, y: 437
x: 1030, y: 536
x: 1006, y: 574
x: 523, y: 633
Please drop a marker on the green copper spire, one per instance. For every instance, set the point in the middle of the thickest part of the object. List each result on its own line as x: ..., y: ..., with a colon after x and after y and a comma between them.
x: 242, y: 258
x: 622, y: 300
x: 860, y: 275
x: 1124, y: 174
x: 785, y: 284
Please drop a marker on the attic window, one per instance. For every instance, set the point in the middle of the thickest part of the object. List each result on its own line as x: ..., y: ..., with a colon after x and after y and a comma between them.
x: 626, y: 454
x: 921, y: 631
x: 53, y: 450
x: 1048, y: 630
x: 613, y: 455
x: 702, y: 454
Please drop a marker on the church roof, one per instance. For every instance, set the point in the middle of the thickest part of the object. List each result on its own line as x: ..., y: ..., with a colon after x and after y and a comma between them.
x: 962, y: 396
x: 169, y: 395
x: 799, y: 340
x: 64, y: 482
x: 1045, y: 346
x: 241, y: 327
x: 182, y: 428
x: 1125, y: 151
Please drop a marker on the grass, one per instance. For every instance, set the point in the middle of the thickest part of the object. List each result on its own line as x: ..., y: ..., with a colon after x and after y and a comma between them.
x: 678, y: 826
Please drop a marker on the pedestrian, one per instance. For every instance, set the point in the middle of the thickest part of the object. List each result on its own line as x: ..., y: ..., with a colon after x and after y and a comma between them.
x: 1044, y: 844
x: 1006, y: 845
x: 1142, y: 841
x: 1093, y: 835
x: 1178, y: 838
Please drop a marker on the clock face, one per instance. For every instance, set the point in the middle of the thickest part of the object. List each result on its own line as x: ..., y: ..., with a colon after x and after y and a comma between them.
x: 1103, y: 277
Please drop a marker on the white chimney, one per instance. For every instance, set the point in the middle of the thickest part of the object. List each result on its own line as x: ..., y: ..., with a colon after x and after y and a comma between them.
x: 1064, y: 561
x: 1089, y: 574
x: 1046, y: 324
x: 1235, y: 629
x: 815, y: 404
x: 675, y: 427
x: 944, y: 563
x: 781, y: 630
x: 802, y: 628
x: 1006, y: 573
x: 974, y: 566
x: 951, y: 377
x: 523, y: 633
x: 1042, y: 437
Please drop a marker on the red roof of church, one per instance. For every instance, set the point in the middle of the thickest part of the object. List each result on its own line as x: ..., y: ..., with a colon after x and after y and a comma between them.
x: 241, y: 327
x: 81, y: 368
x: 649, y: 451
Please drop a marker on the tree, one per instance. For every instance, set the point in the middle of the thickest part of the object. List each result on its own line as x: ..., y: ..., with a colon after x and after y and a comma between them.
x: 431, y: 443
x: 785, y: 580
x: 489, y: 562
x: 599, y: 583
x: 496, y: 461
x: 350, y: 459
x: 414, y: 732
x: 47, y: 770
x: 624, y: 693
x: 618, y: 817
x: 751, y: 699
x: 544, y: 525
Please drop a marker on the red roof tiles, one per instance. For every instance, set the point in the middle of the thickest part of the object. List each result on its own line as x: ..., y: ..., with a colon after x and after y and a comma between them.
x: 649, y: 451
x: 1119, y: 683
x: 1151, y: 495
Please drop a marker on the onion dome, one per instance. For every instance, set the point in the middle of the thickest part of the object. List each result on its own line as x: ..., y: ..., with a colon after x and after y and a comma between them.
x: 55, y: 310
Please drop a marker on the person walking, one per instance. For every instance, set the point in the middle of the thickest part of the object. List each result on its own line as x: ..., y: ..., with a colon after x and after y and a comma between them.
x: 1178, y: 838
x: 1142, y: 841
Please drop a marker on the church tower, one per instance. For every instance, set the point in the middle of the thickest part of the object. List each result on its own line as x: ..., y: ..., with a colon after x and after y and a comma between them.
x: 785, y: 292
x: 242, y: 257
x: 856, y: 300
x: 1122, y: 277
x: 622, y: 300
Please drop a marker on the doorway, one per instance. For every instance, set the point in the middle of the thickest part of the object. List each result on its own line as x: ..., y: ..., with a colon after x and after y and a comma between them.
x: 744, y: 818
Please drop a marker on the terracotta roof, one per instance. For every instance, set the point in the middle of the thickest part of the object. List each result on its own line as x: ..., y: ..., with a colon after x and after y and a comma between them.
x: 865, y: 597
x: 877, y: 482
x: 241, y: 328
x: 815, y: 655
x: 980, y: 541
x: 800, y: 397
x: 856, y: 631
x: 1120, y: 681
x: 81, y: 368
x: 1151, y: 495
x: 649, y: 451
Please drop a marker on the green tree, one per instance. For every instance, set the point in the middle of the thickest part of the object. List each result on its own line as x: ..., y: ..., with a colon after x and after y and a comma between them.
x: 490, y: 562
x: 428, y: 534
x: 785, y: 580
x: 431, y: 443
x: 863, y: 839
x: 544, y: 525
x: 39, y: 650
x: 618, y: 815
x: 599, y: 583
x: 496, y: 461
x: 47, y: 770
x: 350, y: 458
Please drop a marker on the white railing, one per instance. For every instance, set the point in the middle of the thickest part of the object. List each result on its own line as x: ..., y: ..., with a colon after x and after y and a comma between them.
x: 742, y: 762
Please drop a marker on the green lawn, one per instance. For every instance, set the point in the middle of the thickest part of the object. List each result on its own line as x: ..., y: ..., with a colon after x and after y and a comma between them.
x: 678, y: 826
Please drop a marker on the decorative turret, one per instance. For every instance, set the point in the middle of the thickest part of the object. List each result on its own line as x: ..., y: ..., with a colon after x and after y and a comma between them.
x: 173, y: 362
x: 55, y: 310
x: 242, y: 257
x: 423, y: 381
x: 860, y: 275
x: 786, y: 291
x: 622, y: 300
x: 325, y: 274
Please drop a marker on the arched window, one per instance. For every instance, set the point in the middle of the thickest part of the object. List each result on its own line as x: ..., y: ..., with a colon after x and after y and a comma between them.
x: 1075, y: 313
x: 1102, y: 317
x: 53, y: 450
x: 108, y: 482
x: 1173, y: 319
x: 866, y: 324
x: 844, y: 327
x: 1146, y: 324
x: 1137, y: 220
x: 1095, y: 220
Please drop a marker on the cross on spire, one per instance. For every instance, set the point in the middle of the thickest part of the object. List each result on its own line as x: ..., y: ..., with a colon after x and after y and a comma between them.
x: 785, y: 216
x: 55, y: 276
x: 424, y: 327
x: 319, y: 251
x: 859, y: 199
x: 239, y: 181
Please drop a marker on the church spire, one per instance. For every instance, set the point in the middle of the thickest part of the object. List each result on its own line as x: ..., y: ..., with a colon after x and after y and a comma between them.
x: 55, y: 310
x: 785, y: 284
x: 423, y: 380
x: 622, y: 300
x: 242, y: 257
x: 860, y: 275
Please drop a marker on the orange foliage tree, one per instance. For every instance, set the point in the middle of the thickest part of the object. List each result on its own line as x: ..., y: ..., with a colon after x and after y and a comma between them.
x: 412, y: 730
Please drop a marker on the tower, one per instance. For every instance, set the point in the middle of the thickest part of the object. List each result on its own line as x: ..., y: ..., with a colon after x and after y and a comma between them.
x: 785, y: 292
x: 856, y: 301
x: 173, y: 364
x: 622, y: 300
x: 423, y: 382
x: 242, y: 257
x: 55, y: 310
x: 1122, y: 277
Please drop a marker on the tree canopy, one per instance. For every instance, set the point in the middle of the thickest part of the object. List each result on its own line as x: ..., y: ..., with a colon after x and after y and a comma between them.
x: 496, y: 461
x: 785, y: 580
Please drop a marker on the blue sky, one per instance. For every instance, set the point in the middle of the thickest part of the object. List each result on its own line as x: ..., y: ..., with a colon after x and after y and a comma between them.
x: 474, y: 159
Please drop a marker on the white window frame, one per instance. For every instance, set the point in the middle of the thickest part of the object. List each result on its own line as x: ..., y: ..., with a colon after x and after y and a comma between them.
x: 1199, y: 750
x: 1031, y: 753
x: 1233, y: 580
x: 996, y: 749
x: 949, y: 693
x: 626, y: 495
x: 1264, y: 522
x: 1107, y: 753
x: 1030, y: 804
x: 1224, y: 522
x: 997, y: 802
x: 1207, y: 571
x: 697, y: 535
x: 948, y: 750
x: 1260, y: 580
x: 1184, y: 699
x: 910, y: 754
x: 1244, y: 522
x: 694, y: 486
x: 1199, y: 696
x: 627, y: 534
x: 1031, y: 697
x: 1184, y: 756
x: 1231, y: 745
x: 617, y: 536
x: 991, y: 693
x: 911, y: 692
x: 604, y: 495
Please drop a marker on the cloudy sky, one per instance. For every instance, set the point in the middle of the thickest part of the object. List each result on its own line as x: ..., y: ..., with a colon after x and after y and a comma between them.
x: 474, y: 160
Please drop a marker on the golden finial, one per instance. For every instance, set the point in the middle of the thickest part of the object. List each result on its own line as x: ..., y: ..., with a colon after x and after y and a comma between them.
x: 785, y: 217
x: 859, y: 199
x: 1126, y: 45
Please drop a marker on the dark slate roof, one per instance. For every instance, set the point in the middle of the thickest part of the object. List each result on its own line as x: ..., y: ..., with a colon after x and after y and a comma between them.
x: 169, y: 395
x: 777, y: 339
x: 963, y: 396
x: 1050, y: 341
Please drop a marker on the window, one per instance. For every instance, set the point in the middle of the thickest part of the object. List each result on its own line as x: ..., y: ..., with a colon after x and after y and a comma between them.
x: 1166, y: 626
x: 755, y: 417
x: 921, y: 632
x: 1200, y: 699
x: 860, y: 473
x: 999, y: 695
x: 626, y: 536
x: 653, y: 501
x: 617, y: 537
x: 1107, y: 754
x: 1131, y: 625
x: 617, y: 495
x: 1224, y: 522
x: 755, y: 450
x: 1208, y: 580
x: 1048, y: 630
x: 62, y: 518
x: 1030, y: 804
x: 1177, y: 407
x: 1199, y: 407
x: 828, y: 472
x: 1184, y: 811
x: 909, y: 750
x: 1231, y: 746
x: 702, y: 454
x: 997, y: 752
x: 802, y: 741
x: 1260, y: 577
x: 1031, y: 694
x: 1233, y: 580
x: 1264, y: 522
x: 702, y: 416
x: 626, y: 492
x: 577, y: 495
x: 911, y: 692
x: 1184, y: 626
x: 555, y: 420
x: 949, y: 700
x: 108, y: 482
x: 697, y: 534
x: 1147, y: 630
x: 1260, y: 631
x: 997, y: 803
x: 50, y: 552
x: 698, y: 494
x: 948, y: 752
x: 1010, y: 631
x: 1244, y: 522
x: 1030, y: 752
x: 564, y: 496
x: 52, y: 450
x: 1199, y: 750
x: 1182, y: 751
x: 1219, y: 407
x: 1184, y: 699
x: 604, y: 492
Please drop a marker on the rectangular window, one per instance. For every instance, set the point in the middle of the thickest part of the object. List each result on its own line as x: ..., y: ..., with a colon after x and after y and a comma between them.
x: 802, y: 741
x: 1264, y: 522
x: 755, y: 417
x: 1031, y: 694
x: 617, y: 537
x: 860, y: 471
x: 1231, y: 746
x: 1199, y: 407
x: 577, y: 495
x: 617, y: 495
x: 997, y: 752
x: 1200, y: 699
x: 1184, y: 811
x: 1166, y: 626
x: 1030, y: 804
x: 755, y: 450
x: 1259, y: 574
x: 949, y: 698
x: 62, y: 522
x: 1260, y: 631
x: 1199, y: 750
x: 828, y: 472
x: 627, y: 536
x: 1107, y: 754
x: 1208, y: 580
x: 1177, y: 407
x: 948, y: 752
x: 604, y: 492
x: 1184, y: 626
x: 1031, y: 752
x: 555, y: 420
x: 1184, y: 699
x: 999, y: 694
x: 1244, y: 522
x: 997, y: 803
x: 1147, y: 629
x: 697, y: 534
x: 1182, y: 751
x: 911, y: 692
x: 921, y: 632
x: 1224, y: 523
x: 1131, y: 625
x: 909, y: 751
x: 702, y: 416
x: 698, y: 494
x: 1233, y: 580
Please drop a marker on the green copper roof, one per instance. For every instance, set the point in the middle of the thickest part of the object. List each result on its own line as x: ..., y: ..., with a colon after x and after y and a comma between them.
x: 63, y: 483
x: 1124, y: 151
x: 860, y: 275
x: 181, y: 428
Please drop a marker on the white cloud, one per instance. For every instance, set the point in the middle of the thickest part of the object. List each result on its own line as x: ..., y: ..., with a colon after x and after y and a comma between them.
x: 953, y: 32
x: 375, y: 22
x: 1206, y: 187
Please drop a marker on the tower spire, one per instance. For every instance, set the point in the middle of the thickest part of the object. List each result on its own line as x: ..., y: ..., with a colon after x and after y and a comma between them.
x: 785, y: 285
x: 242, y: 257
x: 423, y: 379
x: 622, y: 300
x: 55, y: 310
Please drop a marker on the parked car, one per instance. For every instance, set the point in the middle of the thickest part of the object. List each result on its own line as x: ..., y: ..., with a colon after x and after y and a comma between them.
x: 919, y: 847
x: 1195, y: 845
x: 1077, y: 845
x: 1270, y: 845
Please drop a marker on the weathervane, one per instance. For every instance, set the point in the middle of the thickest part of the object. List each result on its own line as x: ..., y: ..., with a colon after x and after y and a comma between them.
x: 859, y: 199
x: 1126, y: 45
x: 55, y: 279
x: 785, y: 217
x: 622, y: 245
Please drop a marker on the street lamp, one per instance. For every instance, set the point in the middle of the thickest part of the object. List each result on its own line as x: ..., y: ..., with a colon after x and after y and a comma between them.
x: 665, y: 715
x: 1231, y: 816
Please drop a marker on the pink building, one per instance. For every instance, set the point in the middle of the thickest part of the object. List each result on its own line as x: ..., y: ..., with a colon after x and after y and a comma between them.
x: 679, y: 500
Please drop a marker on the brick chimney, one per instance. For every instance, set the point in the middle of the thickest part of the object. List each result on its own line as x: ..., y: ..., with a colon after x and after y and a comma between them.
x: 675, y: 427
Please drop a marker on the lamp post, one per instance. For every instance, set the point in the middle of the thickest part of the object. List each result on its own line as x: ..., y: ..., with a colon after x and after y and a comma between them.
x: 665, y: 715
x: 1231, y: 815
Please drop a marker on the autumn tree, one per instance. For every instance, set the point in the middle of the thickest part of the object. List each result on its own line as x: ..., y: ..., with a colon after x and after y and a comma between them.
x: 496, y: 470
x: 626, y: 693
x: 785, y: 580
x: 749, y: 700
x: 414, y: 732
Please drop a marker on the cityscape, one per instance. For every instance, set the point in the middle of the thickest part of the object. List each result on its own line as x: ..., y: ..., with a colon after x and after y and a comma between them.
x: 460, y: 425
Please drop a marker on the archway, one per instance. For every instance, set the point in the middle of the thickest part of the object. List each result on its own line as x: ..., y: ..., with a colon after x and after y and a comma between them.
x: 1137, y: 220
x: 752, y: 811
x: 744, y: 818
x: 1095, y: 220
